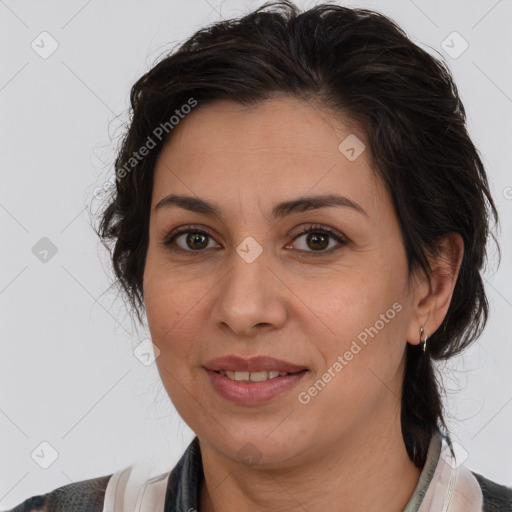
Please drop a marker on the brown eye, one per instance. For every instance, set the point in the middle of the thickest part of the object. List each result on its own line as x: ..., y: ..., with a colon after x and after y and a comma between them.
x: 196, y: 240
x: 318, y: 239
x: 190, y: 240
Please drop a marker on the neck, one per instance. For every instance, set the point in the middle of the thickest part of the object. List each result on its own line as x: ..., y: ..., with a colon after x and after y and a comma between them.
x: 368, y: 470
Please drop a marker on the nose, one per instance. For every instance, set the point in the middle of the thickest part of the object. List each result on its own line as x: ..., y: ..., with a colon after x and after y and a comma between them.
x: 251, y: 299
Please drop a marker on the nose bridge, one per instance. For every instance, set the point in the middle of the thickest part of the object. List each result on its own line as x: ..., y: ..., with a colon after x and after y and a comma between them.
x: 246, y: 298
x: 247, y: 277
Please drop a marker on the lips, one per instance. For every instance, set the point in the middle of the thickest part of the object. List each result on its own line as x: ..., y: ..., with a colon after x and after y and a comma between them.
x: 252, y: 365
x: 244, y: 393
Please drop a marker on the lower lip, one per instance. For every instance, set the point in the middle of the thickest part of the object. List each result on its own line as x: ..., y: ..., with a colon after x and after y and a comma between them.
x: 252, y: 393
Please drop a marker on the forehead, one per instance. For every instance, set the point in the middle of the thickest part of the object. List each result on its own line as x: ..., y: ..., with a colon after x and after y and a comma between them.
x: 278, y: 148
x: 283, y: 124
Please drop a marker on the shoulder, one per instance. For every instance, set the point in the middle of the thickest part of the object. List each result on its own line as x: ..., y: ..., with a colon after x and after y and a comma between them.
x: 82, y: 496
x: 497, y: 497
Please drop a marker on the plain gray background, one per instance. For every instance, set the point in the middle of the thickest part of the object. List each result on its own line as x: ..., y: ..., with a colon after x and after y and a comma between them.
x: 69, y: 376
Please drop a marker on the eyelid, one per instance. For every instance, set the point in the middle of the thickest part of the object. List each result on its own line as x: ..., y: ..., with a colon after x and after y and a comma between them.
x: 341, y: 240
x: 330, y: 232
x: 170, y: 237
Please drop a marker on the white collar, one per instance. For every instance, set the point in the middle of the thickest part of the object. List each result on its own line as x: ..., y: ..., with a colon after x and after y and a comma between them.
x: 130, y: 490
x: 445, y: 484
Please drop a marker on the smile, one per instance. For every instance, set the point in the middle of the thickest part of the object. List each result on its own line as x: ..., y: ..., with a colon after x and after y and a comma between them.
x: 253, y: 388
x: 251, y: 376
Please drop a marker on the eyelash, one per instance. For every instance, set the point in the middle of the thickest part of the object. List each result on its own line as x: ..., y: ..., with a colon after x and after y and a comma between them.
x: 317, y: 228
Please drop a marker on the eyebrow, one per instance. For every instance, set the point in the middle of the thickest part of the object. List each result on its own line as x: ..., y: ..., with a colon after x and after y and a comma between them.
x: 280, y: 210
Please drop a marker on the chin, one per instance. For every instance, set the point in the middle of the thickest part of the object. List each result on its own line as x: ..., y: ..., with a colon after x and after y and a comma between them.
x: 259, y: 446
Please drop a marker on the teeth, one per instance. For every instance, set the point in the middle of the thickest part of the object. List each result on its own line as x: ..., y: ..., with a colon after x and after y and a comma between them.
x: 252, y: 376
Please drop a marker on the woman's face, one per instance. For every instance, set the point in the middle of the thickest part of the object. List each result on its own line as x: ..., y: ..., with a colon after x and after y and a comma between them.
x: 251, y: 285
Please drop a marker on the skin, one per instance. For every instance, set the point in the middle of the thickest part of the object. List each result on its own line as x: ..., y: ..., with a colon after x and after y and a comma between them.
x: 344, y: 449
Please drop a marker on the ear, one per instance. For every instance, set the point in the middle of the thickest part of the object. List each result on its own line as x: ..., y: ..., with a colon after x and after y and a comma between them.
x: 433, y: 294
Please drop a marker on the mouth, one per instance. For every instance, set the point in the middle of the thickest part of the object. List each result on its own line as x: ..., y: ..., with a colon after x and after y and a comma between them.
x: 253, y: 381
x: 242, y: 376
x: 249, y: 392
x: 254, y: 365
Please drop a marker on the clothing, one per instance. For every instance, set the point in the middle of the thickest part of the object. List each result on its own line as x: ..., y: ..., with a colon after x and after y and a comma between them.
x: 444, y: 486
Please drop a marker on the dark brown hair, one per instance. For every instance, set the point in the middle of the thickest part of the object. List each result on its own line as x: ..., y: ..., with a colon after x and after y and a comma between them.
x: 360, y: 64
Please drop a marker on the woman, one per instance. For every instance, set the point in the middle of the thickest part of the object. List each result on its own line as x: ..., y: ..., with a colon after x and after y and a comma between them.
x: 302, y: 217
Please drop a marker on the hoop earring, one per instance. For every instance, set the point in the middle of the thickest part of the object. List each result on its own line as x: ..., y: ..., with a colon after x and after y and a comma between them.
x: 424, y: 341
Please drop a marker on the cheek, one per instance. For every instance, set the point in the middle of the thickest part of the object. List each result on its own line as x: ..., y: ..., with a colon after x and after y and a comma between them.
x: 367, y: 318
x: 163, y: 298
x: 360, y: 370
x: 169, y: 325
x: 348, y: 304
x: 173, y: 310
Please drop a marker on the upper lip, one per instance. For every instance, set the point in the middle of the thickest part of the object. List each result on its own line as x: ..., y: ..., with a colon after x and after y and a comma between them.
x: 253, y: 364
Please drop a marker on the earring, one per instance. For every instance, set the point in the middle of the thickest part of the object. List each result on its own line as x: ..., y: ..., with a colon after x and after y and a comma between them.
x: 424, y: 341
